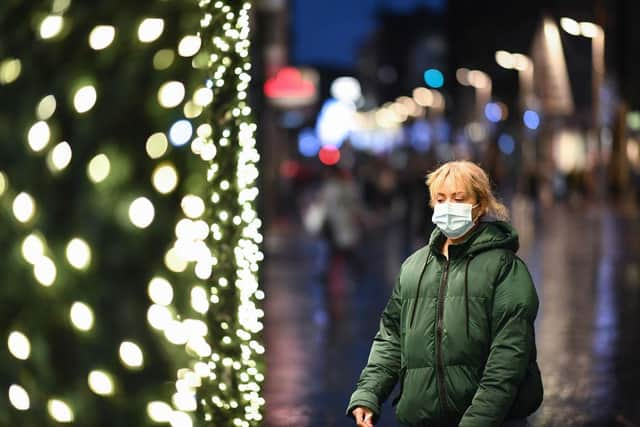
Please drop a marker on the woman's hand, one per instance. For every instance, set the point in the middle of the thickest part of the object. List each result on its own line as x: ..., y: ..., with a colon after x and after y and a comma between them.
x: 363, y: 416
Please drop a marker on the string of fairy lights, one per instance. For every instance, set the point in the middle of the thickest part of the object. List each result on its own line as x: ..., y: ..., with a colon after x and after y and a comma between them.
x: 216, y: 251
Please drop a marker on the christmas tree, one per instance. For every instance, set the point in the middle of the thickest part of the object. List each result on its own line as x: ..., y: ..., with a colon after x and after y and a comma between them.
x: 130, y: 237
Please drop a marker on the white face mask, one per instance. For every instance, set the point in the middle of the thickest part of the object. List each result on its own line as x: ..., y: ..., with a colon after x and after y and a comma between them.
x: 453, y: 219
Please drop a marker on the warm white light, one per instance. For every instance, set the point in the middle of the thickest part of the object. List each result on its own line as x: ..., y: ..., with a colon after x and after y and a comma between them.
x: 60, y: 6
x: 192, y: 206
x: 141, y: 212
x: 176, y: 333
x: 159, y: 317
x: 99, y: 168
x: 199, y: 300
x: 571, y: 26
x: 19, y: 345
x: 521, y: 62
x: 100, y: 382
x: 505, y: 59
x: 81, y: 316
x: 203, y: 96
x: 10, y: 70
x: 462, y: 75
x: 184, y: 401
x: 60, y: 411
x: 101, y: 36
x: 479, y: 79
x: 3, y: 183
x: 165, y: 178
x: 160, y: 291
x: 150, y: 29
x: 589, y: 29
x: 85, y: 98
x: 60, y: 156
x: 131, y: 355
x: 157, y: 145
x: 346, y: 89
x: 78, y: 253
x: 32, y: 248
x: 423, y: 96
x: 19, y: 397
x: 180, y: 419
x: 174, y: 261
x: 46, y: 107
x: 159, y: 412
x: 51, y: 26
x: 171, y: 94
x: 189, y: 46
x: 45, y: 271
x: 23, y: 207
x: 38, y: 136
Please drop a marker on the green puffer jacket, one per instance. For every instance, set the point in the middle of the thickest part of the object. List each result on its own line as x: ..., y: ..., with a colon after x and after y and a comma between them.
x: 458, y: 334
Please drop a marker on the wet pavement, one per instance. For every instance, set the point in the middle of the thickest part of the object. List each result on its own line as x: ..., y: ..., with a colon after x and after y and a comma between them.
x: 585, y: 261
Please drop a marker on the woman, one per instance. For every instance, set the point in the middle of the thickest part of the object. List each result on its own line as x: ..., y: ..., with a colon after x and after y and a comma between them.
x: 457, y: 331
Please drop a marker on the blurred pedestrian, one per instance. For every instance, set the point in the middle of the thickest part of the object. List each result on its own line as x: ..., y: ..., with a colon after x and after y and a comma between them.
x: 458, y: 329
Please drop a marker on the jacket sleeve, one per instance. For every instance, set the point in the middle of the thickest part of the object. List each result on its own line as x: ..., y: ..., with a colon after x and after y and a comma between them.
x: 515, y: 304
x: 382, y: 370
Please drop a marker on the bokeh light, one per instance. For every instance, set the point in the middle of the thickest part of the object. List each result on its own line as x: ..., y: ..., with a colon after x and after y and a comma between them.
x: 85, y: 98
x: 101, y: 36
x: 141, y: 212
x: 131, y: 355
x: 180, y: 132
x: 19, y: 345
x: 60, y: 411
x: 150, y: 29
x: 60, y: 157
x: 81, y: 316
x: 165, y: 178
x: 99, y: 168
x: 189, y: 46
x: 46, y: 107
x: 434, y: 78
x: 19, y: 397
x: 51, y: 26
x: 329, y: 155
x: 78, y: 253
x: 24, y: 207
x: 531, y: 119
x: 38, y: 136
x: 100, y: 382
x: 156, y: 145
x: 10, y: 70
x: 171, y: 94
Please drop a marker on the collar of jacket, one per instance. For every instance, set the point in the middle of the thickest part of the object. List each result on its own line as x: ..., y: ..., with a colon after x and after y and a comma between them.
x: 488, y: 234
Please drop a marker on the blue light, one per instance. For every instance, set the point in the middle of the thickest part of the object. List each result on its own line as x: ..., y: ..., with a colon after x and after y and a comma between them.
x: 433, y: 78
x: 531, y: 119
x: 334, y: 123
x: 308, y: 143
x: 493, y: 112
x: 180, y: 133
x: 506, y: 143
x: 420, y: 135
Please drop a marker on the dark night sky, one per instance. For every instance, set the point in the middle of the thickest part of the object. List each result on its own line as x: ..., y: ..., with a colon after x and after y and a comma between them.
x: 328, y: 32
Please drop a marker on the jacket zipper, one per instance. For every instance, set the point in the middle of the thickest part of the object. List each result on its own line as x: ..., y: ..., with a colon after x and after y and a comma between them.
x: 439, y: 331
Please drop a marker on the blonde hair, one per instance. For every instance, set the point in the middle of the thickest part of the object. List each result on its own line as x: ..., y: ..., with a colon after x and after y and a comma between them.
x: 476, y: 182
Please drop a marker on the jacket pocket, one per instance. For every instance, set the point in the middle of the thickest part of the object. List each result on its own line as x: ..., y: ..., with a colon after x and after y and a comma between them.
x: 403, y: 374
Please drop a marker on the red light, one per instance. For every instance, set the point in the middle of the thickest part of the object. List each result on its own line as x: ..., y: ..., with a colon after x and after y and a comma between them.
x: 329, y: 155
x: 289, y: 168
x: 289, y: 83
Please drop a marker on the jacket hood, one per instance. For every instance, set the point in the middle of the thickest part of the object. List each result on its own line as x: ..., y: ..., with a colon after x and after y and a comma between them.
x: 489, y: 234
